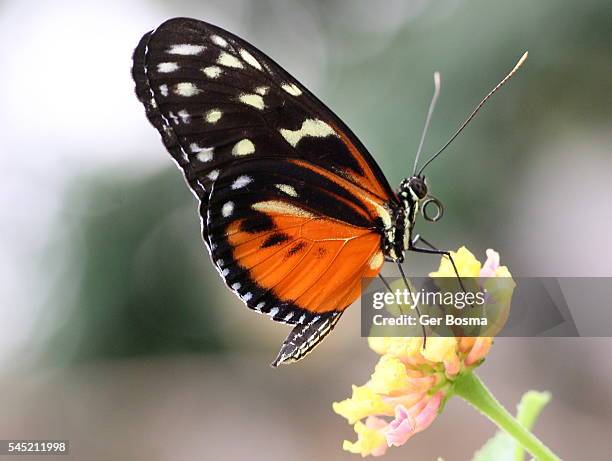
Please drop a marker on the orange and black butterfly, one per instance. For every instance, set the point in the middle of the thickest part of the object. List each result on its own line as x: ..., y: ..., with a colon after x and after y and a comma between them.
x: 295, y: 211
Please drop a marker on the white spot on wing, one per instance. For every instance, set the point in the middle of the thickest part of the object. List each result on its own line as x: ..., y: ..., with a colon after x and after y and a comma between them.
x: 244, y: 147
x: 377, y: 260
x: 193, y: 147
x: 163, y: 89
x: 247, y: 296
x: 227, y: 60
x: 241, y: 181
x: 273, y: 311
x: 213, y: 115
x: 249, y: 58
x: 310, y: 127
x: 254, y: 100
x: 227, y: 210
x: 196, y: 149
x: 262, y: 90
x: 167, y: 67
x: 260, y: 305
x: 174, y: 118
x: 382, y: 212
x: 282, y: 208
x: 186, y: 89
x: 220, y: 41
x: 184, y: 116
x: 225, y: 272
x: 205, y: 155
x: 212, y: 71
x: 236, y: 286
x: 291, y: 88
x: 213, y: 175
x: 185, y: 49
x: 287, y: 189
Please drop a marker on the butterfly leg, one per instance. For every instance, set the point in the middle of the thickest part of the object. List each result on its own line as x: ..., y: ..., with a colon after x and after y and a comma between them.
x: 417, y: 238
x: 388, y: 287
x: 385, y: 283
x: 433, y: 250
x: 416, y: 306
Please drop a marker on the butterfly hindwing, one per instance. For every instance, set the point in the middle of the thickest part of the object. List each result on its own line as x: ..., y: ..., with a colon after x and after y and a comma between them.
x: 288, y: 241
x: 277, y: 240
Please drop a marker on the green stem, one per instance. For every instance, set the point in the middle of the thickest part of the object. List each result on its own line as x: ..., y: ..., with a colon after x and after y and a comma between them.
x: 472, y: 389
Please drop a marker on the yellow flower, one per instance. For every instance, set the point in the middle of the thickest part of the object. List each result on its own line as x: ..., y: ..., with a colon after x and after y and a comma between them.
x: 389, y: 376
x: 392, y: 378
x: 440, y: 349
x: 410, y: 382
x: 404, y: 348
x: 364, y: 402
x: 443, y: 350
x: 466, y: 262
x: 371, y: 439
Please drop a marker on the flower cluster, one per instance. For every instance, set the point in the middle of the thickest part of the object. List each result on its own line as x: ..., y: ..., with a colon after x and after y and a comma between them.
x: 411, y: 383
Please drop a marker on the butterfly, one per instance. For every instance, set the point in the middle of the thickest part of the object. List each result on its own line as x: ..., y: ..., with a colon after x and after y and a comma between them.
x: 295, y: 212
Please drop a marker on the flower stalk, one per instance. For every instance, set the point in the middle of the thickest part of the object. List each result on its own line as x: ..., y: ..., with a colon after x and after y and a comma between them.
x: 469, y: 387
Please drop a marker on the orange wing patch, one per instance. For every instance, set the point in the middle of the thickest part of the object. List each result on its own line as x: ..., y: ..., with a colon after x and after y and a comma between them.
x: 373, y: 204
x: 316, y: 263
x: 369, y: 180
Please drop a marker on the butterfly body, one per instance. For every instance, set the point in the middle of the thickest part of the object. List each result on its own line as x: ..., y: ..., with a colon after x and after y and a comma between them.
x: 295, y: 212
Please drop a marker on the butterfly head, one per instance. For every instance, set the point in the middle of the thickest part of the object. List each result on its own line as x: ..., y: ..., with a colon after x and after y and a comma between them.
x: 414, y: 193
x: 417, y: 186
x: 413, y: 189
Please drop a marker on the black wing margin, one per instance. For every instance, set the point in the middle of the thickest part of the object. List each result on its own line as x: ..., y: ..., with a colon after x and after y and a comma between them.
x: 145, y: 94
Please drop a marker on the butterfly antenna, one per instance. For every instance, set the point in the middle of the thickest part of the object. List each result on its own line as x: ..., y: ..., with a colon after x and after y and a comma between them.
x: 432, y: 106
x: 475, y: 111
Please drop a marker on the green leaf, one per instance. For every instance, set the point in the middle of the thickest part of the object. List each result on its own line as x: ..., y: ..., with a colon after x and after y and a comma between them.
x: 501, y: 447
x: 531, y: 405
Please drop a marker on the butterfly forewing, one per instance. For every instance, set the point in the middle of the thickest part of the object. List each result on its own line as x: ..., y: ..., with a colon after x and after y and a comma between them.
x: 213, y: 90
x: 291, y: 201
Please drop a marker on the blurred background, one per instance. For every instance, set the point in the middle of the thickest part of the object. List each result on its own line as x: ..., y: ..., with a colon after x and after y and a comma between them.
x: 118, y: 334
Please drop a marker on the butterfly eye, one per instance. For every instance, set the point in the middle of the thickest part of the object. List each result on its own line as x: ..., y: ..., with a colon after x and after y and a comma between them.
x: 427, y: 211
x: 418, y: 186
